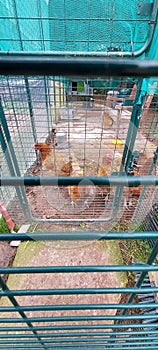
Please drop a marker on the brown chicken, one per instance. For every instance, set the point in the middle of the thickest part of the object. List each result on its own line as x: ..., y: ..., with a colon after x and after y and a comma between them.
x: 80, y: 193
x: 44, y: 150
x: 108, y: 165
x: 54, y: 164
x: 66, y: 169
x: 76, y: 191
x: 111, y: 163
x: 103, y: 171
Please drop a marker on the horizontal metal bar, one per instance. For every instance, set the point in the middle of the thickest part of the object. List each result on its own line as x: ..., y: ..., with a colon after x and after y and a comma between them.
x: 101, y: 54
x: 23, y: 347
x: 78, y: 269
x: 99, y: 347
x: 48, y: 64
x: 102, y: 346
x: 131, y: 346
x: 82, y: 340
x: 75, y: 18
x: 75, y: 291
x: 145, y: 347
x: 80, y: 318
x: 83, y: 236
x: 20, y: 342
x: 59, y: 41
x: 71, y: 346
x: 68, y: 180
x: 77, y: 334
x: 77, y: 307
x: 134, y: 347
x: 142, y: 345
x: 81, y: 327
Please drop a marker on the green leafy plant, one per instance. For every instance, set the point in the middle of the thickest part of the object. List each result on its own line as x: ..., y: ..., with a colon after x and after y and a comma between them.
x: 3, y: 226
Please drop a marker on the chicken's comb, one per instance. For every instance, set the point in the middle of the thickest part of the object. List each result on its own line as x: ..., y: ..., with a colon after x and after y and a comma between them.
x: 36, y: 146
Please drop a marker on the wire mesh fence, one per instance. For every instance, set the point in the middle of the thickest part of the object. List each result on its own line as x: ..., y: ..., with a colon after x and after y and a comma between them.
x: 81, y: 127
x: 112, y: 27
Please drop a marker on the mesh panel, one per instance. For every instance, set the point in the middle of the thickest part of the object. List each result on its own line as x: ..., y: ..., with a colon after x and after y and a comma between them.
x: 65, y: 25
x: 96, y: 26
x: 89, y: 116
x: 27, y: 112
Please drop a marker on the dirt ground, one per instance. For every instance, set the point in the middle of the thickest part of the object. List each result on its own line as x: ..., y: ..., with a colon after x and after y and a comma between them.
x: 59, y: 254
x: 90, y: 137
x: 7, y: 254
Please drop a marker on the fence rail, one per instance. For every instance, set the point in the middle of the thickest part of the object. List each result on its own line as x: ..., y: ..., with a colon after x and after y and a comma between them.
x: 47, y: 64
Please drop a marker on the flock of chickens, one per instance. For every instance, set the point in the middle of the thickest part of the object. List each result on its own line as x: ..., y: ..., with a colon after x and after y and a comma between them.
x: 54, y: 164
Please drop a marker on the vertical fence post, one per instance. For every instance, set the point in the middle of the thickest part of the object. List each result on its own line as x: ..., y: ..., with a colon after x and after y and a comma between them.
x: 129, y: 144
x: 54, y: 101
x: 132, y: 130
x: 26, y: 79
x: 145, y: 187
x: 45, y: 79
x: 142, y: 276
x: 8, y: 149
x: 29, y: 100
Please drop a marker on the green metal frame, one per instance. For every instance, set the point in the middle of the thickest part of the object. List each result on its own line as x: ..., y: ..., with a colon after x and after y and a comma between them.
x: 8, y: 150
x: 80, y: 336
x: 144, y: 49
x: 62, y: 65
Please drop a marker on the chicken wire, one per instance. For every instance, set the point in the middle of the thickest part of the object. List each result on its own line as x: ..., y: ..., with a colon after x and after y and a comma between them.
x: 102, y: 26
x: 92, y: 119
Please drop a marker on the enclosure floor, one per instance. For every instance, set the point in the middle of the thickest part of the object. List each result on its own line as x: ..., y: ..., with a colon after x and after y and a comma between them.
x: 62, y: 254
x: 90, y: 137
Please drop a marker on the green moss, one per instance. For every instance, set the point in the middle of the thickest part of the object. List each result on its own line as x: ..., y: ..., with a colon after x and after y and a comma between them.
x: 115, y: 258
x: 26, y: 252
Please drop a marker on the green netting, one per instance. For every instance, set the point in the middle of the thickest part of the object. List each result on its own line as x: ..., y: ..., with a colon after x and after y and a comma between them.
x: 67, y: 25
x: 23, y: 27
x: 82, y: 26
x: 92, y: 26
x: 153, y: 54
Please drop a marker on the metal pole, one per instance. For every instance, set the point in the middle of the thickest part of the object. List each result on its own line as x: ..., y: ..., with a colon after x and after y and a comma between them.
x: 29, y: 100
x: 12, y: 163
x: 85, y: 236
x: 151, y: 259
x: 77, y: 66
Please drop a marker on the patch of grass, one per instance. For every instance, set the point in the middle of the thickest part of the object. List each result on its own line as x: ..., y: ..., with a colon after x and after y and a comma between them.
x: 115, y: 257
x: 135, y: 250
x: 26, y: 252
x: 120, y: 227
x: 3, y: 226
